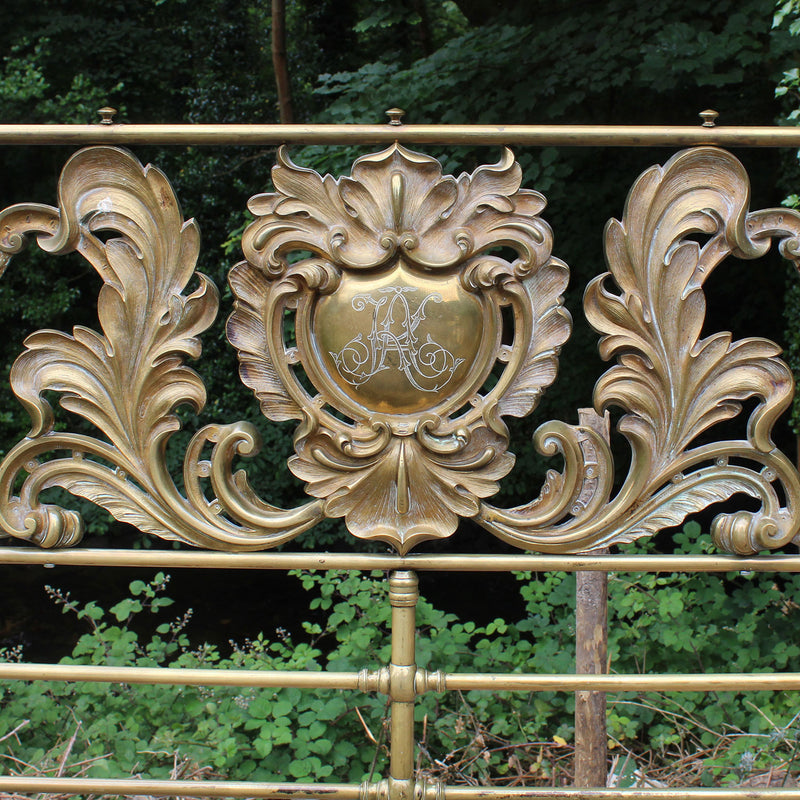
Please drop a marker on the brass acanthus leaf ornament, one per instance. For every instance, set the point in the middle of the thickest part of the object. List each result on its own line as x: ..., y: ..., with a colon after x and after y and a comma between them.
x: 129, y: 379
x: 673, y: 384
x: 387, y: 339
x: 399, y: 314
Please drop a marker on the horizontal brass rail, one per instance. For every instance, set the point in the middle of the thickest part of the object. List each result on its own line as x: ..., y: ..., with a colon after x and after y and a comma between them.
x: 283, y: 791
x: 272, y: 679
x: 156, y: 788
x: 528, y: 135
x: 699, y: 682
x: 370, y: 681
x: 205, y: 559
x: 549, y: 793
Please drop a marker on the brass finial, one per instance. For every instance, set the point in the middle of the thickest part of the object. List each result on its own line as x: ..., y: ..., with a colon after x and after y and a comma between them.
x: 395, y: 116
x: 107, y: 115
x: 709, y: 117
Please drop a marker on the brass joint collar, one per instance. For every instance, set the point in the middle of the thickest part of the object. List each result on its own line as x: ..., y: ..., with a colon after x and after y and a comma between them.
x: 382, y: 681
x: 402, y: 788
x: 403, y: 589
x: 374, y: 791
x: 383, y: 678
x: 423, y: 789
x: 428, y: 789
x: 402, y: 682
x: 372, y: 680
x: 425, y: 681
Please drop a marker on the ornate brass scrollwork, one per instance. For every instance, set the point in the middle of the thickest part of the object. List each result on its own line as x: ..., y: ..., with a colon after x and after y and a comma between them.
x: 399, y: 324
x: 129, y: 379
x: 425, y: 308
x: 672, y: 384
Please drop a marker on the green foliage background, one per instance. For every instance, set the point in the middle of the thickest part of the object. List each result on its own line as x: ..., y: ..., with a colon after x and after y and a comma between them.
x: 659, y: 623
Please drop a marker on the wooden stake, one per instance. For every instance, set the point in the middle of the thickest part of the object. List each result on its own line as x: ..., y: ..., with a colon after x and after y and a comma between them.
x: 591, y: 654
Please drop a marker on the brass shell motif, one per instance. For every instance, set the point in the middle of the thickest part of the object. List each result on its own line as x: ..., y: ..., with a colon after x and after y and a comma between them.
x: 399, y: 314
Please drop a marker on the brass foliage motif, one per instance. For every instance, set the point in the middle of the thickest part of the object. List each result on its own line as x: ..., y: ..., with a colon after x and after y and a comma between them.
x: 127, y: 380
x: 672, y: 384
x: 399, y: 314
x: 399, y: 324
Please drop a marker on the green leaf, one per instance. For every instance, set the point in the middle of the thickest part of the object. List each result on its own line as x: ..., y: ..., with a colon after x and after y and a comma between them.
x: 125, y: 609
x: 263, y: 747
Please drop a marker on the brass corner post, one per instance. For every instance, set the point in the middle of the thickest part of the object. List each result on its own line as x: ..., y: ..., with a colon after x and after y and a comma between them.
x: 403, y: 597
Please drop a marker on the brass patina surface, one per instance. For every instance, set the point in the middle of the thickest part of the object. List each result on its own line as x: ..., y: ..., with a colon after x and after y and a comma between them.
x: 398, y: 323
x: 425, y: 308
x: 211, y: 134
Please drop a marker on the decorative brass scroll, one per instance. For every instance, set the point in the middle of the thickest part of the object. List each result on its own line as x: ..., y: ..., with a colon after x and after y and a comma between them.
x: 418, y: 333
x: 672, y: 384
x: 128, y: 380
x: 399, y: 326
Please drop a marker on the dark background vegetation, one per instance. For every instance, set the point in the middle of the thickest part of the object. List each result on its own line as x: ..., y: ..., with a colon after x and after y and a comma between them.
x: 469, y: 61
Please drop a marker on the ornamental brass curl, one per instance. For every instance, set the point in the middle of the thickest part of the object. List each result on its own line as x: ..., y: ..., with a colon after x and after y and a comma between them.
x: 672, y: 384
x: 417, y: 338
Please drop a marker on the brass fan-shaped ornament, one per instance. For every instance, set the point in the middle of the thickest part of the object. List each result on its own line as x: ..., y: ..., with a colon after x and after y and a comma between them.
x: 399, y: 314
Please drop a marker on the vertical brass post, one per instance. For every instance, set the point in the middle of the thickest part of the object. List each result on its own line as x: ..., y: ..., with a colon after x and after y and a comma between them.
x: 403, y: 596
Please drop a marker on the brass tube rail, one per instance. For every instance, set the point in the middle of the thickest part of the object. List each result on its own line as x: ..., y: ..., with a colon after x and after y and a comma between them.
x: 163, y: 788
x: 548, y: 793
x: 698, y: 682
x: 526, y: 135
x: 205, y: 559
x: 283, y: 791
x: 364, y: 680
x: 375, y: 680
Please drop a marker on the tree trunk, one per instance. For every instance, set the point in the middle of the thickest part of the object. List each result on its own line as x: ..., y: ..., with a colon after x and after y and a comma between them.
x: 279, y: 61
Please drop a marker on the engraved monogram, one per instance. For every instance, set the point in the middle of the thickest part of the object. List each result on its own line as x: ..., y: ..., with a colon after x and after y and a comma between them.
x: 393, y: 343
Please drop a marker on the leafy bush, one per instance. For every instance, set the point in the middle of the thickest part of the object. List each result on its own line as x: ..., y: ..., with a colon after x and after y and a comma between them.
x: 659, y: 623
